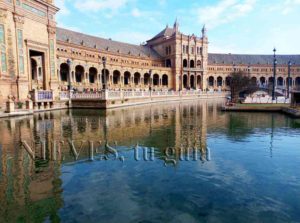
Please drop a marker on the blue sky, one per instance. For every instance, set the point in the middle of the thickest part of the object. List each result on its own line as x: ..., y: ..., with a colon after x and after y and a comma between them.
x: 234, y: 26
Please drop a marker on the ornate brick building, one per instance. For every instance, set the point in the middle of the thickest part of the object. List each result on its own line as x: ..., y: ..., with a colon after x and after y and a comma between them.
x: 37, y: 55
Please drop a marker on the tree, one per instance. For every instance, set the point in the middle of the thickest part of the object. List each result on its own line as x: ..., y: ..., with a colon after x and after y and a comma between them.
x: 241, y: 82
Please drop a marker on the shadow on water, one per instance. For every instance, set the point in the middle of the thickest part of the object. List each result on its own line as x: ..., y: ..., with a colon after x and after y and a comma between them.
x: 168, y: 183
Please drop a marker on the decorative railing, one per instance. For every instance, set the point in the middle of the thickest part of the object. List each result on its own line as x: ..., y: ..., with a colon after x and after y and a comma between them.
x: 42, y: 96
x: 64, y: 95
x: 88, y: 95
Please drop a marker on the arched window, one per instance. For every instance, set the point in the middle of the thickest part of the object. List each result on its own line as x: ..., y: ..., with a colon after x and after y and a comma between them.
x: 185, y: 63
x: 165, y: 80
x: 192, y: 64
x: 199, y: 64
x: 168, y: 63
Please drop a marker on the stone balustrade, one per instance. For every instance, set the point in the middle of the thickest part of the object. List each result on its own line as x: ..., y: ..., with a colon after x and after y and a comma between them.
x: 113, y: 95
x: 42, y: 96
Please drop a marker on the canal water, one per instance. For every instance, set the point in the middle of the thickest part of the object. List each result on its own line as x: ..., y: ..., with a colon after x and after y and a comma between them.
x: 171, y: 162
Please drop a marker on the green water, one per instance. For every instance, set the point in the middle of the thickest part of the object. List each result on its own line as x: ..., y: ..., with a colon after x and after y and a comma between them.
x: 200, y: 165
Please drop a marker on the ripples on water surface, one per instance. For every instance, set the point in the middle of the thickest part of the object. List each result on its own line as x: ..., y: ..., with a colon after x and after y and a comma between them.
x: 247, y: 168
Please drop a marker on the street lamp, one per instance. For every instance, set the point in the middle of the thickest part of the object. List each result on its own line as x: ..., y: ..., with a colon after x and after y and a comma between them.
x: 104, y: 73
x: 274, y: 75
x: 69, y: 62
x: 289, y: 79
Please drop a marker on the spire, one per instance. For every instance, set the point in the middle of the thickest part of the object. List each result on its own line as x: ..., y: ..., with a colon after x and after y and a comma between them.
x: 204, y: 32
x: 176, y: 25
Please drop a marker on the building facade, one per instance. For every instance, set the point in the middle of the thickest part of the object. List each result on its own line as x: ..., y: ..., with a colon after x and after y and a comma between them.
x: 38, y: 55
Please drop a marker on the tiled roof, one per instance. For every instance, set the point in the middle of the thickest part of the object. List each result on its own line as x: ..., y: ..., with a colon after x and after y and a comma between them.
x: 164, y: 33
x: 251, y: 59
x: 104, y: 44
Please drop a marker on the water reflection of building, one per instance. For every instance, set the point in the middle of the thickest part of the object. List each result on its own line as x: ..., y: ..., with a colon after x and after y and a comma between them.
x: 27, y: 185
x: 28, y: 189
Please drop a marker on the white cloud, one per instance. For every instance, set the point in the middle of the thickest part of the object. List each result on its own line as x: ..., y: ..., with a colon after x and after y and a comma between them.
x: 224, y: 12
x: 98, y: 5
x: 289, y: 5
x: 136, y: 12
x: 62, y: 6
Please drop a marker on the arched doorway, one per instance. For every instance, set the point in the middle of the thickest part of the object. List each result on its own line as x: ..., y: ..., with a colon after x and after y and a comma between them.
x: 165, y: 81
x: 64, y: 72
x: 34, y: 69
x: 79, y: 73
x: 156, y: 80
x: 116, y: 77
x: 93, y: 75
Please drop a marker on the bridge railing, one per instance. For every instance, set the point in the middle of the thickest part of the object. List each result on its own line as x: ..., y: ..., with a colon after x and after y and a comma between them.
x: 123, y: 94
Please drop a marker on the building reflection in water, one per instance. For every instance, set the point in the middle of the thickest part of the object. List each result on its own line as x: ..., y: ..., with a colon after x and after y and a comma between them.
x: 32, y: 190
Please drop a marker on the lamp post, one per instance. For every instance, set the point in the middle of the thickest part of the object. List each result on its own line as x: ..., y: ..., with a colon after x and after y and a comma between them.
x: 289, y: 79
x: 274, y: 75
x: 150, y: 84
x: 69, y: 62
x: 104, y: 73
